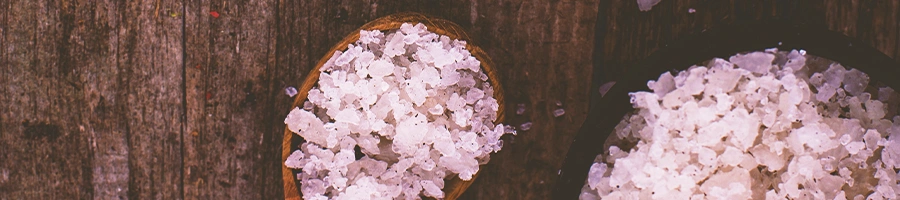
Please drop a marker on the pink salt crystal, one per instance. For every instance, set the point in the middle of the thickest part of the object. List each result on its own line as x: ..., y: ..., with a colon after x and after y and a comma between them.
x: 559, y: 112
x: 290, y: 91
x: 525, y: 126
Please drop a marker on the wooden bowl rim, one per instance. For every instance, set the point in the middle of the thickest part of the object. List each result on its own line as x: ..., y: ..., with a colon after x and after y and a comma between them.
x: 392, y: 22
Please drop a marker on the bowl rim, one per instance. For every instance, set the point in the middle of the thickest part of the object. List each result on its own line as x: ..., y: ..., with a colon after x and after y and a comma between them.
x: 718, y: 42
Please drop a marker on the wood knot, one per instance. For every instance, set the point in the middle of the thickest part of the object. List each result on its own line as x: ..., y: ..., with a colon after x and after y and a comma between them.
x: 40, y: 130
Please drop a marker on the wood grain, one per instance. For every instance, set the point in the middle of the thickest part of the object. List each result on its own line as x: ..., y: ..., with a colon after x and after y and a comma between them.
x: 229, y: 94
x: 126, y: 72
x: 91, y: 108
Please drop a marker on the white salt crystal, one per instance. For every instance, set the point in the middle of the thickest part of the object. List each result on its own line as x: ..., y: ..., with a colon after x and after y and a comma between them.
x: 520, y: 109
x: 559, y: 112
x: 732, y: 156
x: 854, y: 147
x: 380, y: 68
x: 855, y: 82
x: 756, y: 62
x: 691, y: 10
x: 474, y: 95
x: 436, y: 110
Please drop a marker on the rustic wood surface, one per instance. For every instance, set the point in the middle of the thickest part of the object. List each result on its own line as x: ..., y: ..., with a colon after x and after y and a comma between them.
x: 162, y: 99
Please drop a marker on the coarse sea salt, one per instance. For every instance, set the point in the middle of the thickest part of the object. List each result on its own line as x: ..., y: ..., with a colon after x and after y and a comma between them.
x: 761, y: 125
x: 416, y: 105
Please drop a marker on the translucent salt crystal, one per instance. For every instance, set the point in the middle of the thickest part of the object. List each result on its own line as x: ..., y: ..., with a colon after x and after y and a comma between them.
x: 732, y: 156
x: 520, y: 109
x: 845, y: 139
x: 380, y: 68
x: 436, y: 110
x: 394, y: 45
x: 455, y: 102
x: 290, y: 91
x: 707, y: 156
x: 692, y: 10
x: 834, y: 75
x: 431, y: 76
x: 854, y: 147
x: 525, y: 126
x: 796, y: 60
x: 559, y: 112
x: 294, y: 160
x: 855, y: 82
x: 431, y: 189
x: 348, y: 116
x: 825, y: 92
x: 871, y: 138
x: 474, y: 95
x: 558, y: 103
x: 693, y: 85
x: 756, y: 62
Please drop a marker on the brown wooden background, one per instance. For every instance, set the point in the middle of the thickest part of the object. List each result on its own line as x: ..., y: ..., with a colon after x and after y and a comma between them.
x: 158, y: 99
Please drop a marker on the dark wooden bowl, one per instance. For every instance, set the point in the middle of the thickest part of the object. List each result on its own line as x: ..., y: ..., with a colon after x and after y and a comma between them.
x: 606, y: 112
x: 453, y: 186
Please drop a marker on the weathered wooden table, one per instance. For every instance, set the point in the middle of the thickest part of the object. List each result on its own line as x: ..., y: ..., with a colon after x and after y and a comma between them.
x: 163, y: 99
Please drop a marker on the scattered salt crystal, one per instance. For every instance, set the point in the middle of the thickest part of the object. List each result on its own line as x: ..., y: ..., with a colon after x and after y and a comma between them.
x: 525, y: 126
x: 691, y: 10
x: 558, y: 103
x: 756, y: 62
x: 290, y: 91
x: 559, y: 112
x: 520, y: 109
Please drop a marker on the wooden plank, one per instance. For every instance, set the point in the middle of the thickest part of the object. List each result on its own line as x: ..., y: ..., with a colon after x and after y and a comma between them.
x: 293, y: 58
x: 629, y: 35
x: 43, y: 153
x: 150, y: 67
x: 94, y: 100
x: 231, y: 93
x: 543, y: 52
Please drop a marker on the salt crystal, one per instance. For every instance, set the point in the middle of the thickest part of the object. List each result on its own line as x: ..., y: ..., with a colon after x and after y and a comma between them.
x: 756, y: 62
x: 691, y: 10
x: 520, y: 109
x: 855, y: 82
x: 290, y: 91
x: 525, y: 126
x: 559, y: 112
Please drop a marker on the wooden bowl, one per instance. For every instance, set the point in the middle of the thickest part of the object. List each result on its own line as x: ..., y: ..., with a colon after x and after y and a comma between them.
x: 719, y: 42
x: 453, y: 186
